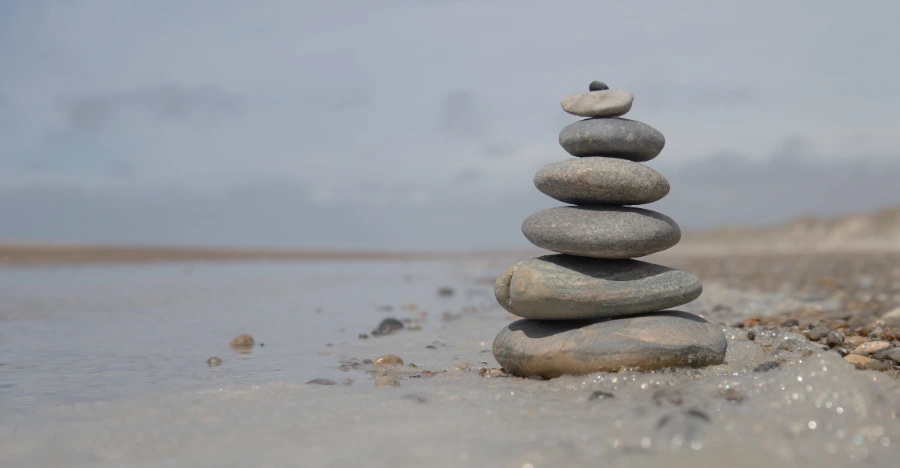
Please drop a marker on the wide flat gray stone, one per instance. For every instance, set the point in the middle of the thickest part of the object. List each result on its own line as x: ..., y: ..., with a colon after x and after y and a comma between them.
x: 646, y: 342
x: 601, y: 181
x: 601, y: 231
x: 612, y: 137
x: 566, y: 287
x: 606, y: 103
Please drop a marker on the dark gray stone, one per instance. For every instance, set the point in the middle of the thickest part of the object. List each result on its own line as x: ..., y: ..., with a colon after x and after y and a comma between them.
x: 612, y: 137
x: 387, y: 326
x: 834, y: 338
x: 646, y: 342
x: 321, y: 382
x: 600, y: 395
x: 607, y: 103
x: 601, y: 181
x: 597, y: 86
x: 601, y: 231
x: 767, y: 366
x: 566, y: 287
x: 891, y: 353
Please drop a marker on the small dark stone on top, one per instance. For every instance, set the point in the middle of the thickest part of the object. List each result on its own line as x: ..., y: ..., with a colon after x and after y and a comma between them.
x: 363, y: 336
x: 767, y: 366
x: 790, y: 323
x: 842, y: 351
x: 367, y: 361
x: 387, y: 326
x: 431, y: 347
x: 600, y: 395
x: 818, y: 333
x: 597, y: 86
x: 445, y: 291
x: 751, y: 334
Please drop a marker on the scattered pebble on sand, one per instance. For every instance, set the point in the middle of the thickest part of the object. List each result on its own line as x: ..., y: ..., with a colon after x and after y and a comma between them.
x: 321, y: 382
x: 818, y: 333
x: 767, y: 366
x: 387, y: 326
x: 600, y: 395
x: 834, y: 338
x: 446, y: 291
x: 242, y: 342
x: 213, y: 362
x: 388, y: 360
x: 871, y: 347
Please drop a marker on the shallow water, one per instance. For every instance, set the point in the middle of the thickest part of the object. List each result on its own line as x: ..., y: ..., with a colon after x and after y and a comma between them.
x: 106, y: 366
x: 73, y: 334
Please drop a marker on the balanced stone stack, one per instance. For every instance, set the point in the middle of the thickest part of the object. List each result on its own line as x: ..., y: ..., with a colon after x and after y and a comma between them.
x: 592, y: 308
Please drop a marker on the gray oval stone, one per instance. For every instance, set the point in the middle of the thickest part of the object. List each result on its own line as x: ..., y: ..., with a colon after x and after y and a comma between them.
x: 601, y: 231
x: 606, y: 103
x: 612, y: 137
x: 566, y: 287
x: 601, y: 181
x: 646, y: 342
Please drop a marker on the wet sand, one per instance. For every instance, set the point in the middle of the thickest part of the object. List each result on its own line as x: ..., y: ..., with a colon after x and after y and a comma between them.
x: 456, y: 407
x: 64, y: 254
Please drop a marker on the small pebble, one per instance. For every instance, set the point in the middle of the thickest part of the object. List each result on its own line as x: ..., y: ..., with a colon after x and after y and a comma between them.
x: 767, y: 366
x: 890, y: 353
x: 842, y: 351
x: 871, y: 347
x: 367, y: 361
x: 855, y: 340
x: 834, y: 338
x: 388, y: 360
x: 387, y: 326
x: 751, y: 333
x: 597, y: 86
x: 445, y: 291
x: 213, y: 362
x: 363, y: 336
x: 321, y: 382
x: 242, y: 342
x: 732, y: 394
x: 857, y: 360
x: 600, y: 395
x: 790, y: 323
x: 818, y: 333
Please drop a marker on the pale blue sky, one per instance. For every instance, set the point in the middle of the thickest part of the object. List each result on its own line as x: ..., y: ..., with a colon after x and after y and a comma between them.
x: 282, y: 115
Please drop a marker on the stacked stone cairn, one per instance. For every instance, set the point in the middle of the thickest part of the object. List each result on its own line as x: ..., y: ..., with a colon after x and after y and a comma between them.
x: 593, y: 308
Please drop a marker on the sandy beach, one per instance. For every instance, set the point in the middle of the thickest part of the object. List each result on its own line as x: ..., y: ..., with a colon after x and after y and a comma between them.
x: 105, y: 365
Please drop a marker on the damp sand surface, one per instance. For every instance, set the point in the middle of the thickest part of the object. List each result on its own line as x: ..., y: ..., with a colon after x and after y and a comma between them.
x: 106, y: 366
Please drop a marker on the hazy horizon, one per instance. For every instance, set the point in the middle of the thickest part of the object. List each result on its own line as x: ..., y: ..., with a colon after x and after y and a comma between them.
x: 420, y: 124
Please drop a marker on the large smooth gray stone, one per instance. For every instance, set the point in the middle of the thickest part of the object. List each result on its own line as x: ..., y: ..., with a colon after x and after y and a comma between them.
x: 646, y: 342
x: 612, y: 137
x: 601, y: 231
x: 599, y: 181
x: 606, y: 103
x: 565, y: 287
